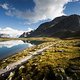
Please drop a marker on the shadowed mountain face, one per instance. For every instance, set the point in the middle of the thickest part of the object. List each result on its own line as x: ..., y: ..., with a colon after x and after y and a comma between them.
x: 25, y: 34
x: 61, y: 27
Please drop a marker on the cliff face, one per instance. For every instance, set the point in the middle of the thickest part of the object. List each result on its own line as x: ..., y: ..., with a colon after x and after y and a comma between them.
x: 61, y: 27
x: 25, y: 34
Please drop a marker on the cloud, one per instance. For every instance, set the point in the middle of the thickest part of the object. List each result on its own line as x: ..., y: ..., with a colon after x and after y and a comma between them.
x: 29, y: 29
x: 13, y: 32
x: 44, y: 9
x: 4, y: 6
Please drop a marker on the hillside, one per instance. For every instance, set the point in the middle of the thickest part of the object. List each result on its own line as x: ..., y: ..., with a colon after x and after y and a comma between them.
x: 61, y: 27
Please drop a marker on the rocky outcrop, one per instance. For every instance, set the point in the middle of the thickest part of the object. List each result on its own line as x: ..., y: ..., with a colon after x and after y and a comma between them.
x: 25, y: 34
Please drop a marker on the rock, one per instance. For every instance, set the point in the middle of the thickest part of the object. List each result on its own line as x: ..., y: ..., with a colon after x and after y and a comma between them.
x: 59, y: 77
x: 8, y: 68
x: 75, y: 67
x: 68, y: 78
x: 73, y: 72
x: 62, y: 70
x: 21, y: 67
x: 11, y: 76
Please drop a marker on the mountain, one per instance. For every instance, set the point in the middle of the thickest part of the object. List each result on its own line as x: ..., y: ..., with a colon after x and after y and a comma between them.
x: 25, y: 34
x: 4, y: 36
x: 61, y: 27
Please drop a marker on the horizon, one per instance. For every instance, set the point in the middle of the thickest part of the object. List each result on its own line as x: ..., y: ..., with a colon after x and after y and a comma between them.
x: 25, y: 15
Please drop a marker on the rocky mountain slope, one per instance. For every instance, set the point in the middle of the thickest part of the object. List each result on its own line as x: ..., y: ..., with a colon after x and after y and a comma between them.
x: 25, y: 34
x: 61, y: 27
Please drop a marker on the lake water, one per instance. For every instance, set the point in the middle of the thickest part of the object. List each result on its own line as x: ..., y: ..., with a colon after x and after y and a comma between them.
x: 11, y: 47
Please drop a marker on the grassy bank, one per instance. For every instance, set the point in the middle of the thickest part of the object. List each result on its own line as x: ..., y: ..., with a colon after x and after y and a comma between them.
x: 60, y: 61
x: 26, y: 52
x: 31, y: 39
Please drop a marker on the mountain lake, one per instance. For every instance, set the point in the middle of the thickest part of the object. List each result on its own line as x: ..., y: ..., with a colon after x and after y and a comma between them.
x: 8, y: 48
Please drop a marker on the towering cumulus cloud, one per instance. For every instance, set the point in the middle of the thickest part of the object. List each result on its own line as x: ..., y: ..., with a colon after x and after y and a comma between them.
x: 43, y: 9
x: 48, y: 9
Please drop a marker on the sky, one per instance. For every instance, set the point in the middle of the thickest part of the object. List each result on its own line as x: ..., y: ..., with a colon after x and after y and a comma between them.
x: 17, y: 16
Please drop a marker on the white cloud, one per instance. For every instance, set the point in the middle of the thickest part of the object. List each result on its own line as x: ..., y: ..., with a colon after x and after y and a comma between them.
x: 44, y: 9
x: 29, y: 29
x: 13, y: 32
x: 4, y: 6
x: 0, y: 28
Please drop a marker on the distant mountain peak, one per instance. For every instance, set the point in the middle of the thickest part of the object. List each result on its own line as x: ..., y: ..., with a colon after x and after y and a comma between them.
x: 74, y: 15
x: 4, y: 35
x: 25, y: 34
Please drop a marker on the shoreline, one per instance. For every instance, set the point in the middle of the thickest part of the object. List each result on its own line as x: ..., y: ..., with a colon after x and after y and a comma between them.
x: 14, y: 65
x: 19, y: 55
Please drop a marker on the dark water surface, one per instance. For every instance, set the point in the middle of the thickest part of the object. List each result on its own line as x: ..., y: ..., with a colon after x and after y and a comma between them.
x: 11, y: 47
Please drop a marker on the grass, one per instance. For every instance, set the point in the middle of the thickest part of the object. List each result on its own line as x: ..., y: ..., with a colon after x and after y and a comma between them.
x: 31, y: 39
x: 62, y: 60
x: 22, y: 54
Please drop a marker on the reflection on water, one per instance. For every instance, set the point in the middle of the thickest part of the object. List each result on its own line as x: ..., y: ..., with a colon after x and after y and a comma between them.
x: 8, y: 48
x: 12, y: 43
x: 33, y: 42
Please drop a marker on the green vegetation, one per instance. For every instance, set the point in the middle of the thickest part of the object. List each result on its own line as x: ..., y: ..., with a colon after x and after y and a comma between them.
x: 60, y: 62
x: 31, y: 39
x: 45, y: 42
